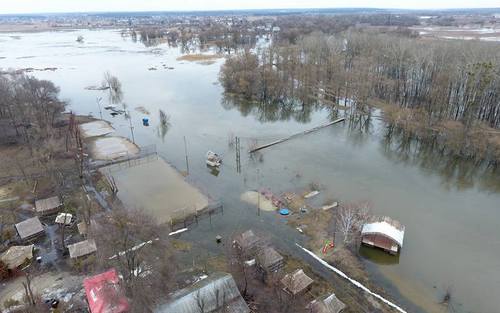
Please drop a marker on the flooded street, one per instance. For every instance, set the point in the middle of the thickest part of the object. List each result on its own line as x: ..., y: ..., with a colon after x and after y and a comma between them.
x: 452, y: 235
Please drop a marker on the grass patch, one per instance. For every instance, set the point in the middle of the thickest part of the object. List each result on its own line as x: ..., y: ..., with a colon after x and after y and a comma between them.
x: 181, y: 245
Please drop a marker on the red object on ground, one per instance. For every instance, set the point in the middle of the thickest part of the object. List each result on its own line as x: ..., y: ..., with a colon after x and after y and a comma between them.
x: 104, y: 293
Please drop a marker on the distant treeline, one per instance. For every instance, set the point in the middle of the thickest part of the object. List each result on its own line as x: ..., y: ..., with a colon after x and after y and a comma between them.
x: 454, y: 80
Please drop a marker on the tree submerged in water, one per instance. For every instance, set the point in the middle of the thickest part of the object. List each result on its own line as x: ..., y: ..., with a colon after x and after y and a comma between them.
x: 164, y: 125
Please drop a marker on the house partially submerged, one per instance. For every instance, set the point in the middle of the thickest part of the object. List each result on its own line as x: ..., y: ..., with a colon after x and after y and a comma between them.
x: 247, y: 243
x: 104, y: 294
x: 16, y: 256
x: 296, y: 283
x: 48, y: 206
x: 384, y: 233
x: 30, y: 228
x: 327, y: 304
x: 82, y: 248
x: 216, y: 293
x: 269, y: 261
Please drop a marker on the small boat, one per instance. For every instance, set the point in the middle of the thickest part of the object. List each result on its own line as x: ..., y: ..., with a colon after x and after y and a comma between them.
x: 213, y: 159
x: 110, y: 107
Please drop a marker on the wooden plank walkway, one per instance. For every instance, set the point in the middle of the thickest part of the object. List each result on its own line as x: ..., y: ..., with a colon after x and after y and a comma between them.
x: 297, y: 134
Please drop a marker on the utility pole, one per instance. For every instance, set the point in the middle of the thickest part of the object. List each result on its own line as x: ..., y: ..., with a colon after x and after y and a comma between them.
x: 258, y: 193
x: 186, y: 153
x: 131, y: 126
x: 238, y: 155
x: 98, y: 99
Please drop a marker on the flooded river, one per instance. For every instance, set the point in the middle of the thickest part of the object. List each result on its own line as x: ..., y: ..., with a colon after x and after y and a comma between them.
x: 452, y: 222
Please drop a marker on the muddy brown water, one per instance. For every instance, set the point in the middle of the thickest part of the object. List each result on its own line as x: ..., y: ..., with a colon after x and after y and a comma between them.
x: 452, y: 227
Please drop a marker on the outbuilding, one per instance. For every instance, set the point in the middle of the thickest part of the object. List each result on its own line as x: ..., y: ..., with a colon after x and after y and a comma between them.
x: 16, y: 256
x: 269, y: 261
x: 296, y: 283
x: 327, y: 304
x: 104, y: 294
x: 247, y: 242
x: 384, y: 233
x: 82, y: 248
x: 48, y: 206
x: 30, y: 229
x: 216, y: 293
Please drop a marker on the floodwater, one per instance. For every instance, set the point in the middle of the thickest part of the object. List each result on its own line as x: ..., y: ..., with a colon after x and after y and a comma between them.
x: 452, y: 236
x: 157, y: 188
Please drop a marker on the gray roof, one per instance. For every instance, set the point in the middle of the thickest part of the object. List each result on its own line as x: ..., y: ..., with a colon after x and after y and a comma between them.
x: 30, y: 227
x: 211, y: 294
x: 47, y: 205
x: 82, y: 248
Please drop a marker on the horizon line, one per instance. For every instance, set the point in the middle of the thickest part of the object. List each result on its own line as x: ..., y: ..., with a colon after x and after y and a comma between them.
x: 249, y: 10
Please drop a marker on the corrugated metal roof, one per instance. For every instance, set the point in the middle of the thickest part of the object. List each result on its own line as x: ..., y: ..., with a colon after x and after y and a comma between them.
x: 104, y: 294
x: 387, y: 229
x: 212, y: 294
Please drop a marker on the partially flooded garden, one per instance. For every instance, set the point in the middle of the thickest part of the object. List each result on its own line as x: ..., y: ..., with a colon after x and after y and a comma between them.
x: 450, y: 212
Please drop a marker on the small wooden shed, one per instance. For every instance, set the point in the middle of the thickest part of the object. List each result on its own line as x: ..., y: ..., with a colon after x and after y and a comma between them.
x: 384, y: 233
x: 327, y: 304
x: 48, y: 206
x: 82, y: 248
x: 247, y: 242
x: 30, y: 229
x: 296, y: 283
x: 269, y: 261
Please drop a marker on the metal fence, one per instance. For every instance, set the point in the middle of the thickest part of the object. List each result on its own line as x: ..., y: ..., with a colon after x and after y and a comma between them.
x: 146, y: 154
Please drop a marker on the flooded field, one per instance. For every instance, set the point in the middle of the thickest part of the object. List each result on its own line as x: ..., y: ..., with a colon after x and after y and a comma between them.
x: 451, y: 219
x: 157, y: 188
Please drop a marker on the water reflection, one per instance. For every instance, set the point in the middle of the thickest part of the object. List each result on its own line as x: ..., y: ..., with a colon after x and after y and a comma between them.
x: 456, y: 172
x: 164, y: 125
x: 272, y: 112
x: 378, y: 256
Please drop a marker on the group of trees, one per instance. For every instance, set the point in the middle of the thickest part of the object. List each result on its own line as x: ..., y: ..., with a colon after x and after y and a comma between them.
x: 139, y: 249
x: 436, y: 81
x: 30, y: 105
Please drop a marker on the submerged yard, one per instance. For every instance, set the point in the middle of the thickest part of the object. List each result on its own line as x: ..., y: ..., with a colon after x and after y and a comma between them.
x: 460, y: 214
x: 157, y: 188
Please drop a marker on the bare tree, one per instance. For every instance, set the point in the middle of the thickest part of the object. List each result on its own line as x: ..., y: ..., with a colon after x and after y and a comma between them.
x: 350, y: 217
x: 138, y: 248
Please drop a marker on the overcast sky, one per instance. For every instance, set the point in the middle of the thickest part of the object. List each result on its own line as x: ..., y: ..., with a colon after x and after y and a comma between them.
x: 41, y: 6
